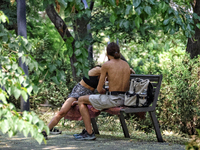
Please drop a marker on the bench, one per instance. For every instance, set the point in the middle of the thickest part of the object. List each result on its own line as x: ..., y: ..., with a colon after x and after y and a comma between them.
x: 156, y: 80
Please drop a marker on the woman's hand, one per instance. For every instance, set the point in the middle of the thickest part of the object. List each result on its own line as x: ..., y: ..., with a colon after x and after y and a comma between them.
x: 103, y: 91
x: 74, y: 103
x: 132, y: 71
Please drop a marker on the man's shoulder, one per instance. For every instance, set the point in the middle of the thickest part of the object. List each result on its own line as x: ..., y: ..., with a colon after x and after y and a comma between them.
x: 106, y: 64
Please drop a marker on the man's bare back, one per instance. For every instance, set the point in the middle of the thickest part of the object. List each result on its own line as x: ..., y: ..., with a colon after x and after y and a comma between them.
x: 118, y: 73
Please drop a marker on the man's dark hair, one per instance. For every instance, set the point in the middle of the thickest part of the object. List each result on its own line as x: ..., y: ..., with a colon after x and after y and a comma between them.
x: 113, y: 50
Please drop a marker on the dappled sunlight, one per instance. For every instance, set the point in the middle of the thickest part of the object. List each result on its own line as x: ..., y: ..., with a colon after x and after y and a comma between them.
x: 168, y: 132
x: 55, y: 147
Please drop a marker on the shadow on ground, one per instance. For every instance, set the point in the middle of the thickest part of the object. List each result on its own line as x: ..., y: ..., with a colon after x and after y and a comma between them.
x: 67, y: 141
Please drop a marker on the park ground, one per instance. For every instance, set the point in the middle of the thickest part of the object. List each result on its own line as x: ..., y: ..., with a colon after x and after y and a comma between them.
x: 107, y: 140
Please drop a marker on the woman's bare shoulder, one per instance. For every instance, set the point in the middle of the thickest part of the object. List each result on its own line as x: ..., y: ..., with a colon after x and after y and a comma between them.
x: 95, y: 71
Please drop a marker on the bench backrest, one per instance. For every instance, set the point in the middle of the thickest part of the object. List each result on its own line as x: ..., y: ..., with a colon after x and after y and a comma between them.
x: 156, y: 82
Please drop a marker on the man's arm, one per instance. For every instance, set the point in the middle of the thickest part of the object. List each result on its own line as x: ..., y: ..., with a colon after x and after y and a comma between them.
x: 100, y: 88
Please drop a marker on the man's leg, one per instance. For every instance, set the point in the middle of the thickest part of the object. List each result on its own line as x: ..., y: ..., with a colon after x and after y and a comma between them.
x: 84, y: 112
x: 63, y: 111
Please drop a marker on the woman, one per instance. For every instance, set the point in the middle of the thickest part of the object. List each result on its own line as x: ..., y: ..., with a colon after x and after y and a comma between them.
x: 84, y: 87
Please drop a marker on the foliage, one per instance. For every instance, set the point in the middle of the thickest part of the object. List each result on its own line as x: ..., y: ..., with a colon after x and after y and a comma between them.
x: 16, y: 83
x: 127, y: 21
x: 194, y: 144
x: 55, y: 94
x: 180, y: 94
x: 11, y: 122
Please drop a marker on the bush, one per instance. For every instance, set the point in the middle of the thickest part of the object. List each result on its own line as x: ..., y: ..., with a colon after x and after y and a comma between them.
x: 179, y: 96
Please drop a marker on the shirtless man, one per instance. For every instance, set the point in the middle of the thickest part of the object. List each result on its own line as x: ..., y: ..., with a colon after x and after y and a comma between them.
x: 118, y: 73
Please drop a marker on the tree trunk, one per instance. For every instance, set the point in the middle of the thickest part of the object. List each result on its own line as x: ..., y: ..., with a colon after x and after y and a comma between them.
x: 63, y: 31
x: 193, y: 45
x: 21, y: 23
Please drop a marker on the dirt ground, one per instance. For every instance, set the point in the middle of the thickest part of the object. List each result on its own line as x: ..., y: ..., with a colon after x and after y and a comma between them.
x: 66, y: 141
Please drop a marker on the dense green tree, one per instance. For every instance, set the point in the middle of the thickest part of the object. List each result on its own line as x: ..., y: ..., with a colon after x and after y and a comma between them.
x: 125, y: 20
x: 12, y: 77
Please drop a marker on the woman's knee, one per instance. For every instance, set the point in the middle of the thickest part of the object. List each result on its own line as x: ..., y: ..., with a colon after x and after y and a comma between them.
x: 61, y: 114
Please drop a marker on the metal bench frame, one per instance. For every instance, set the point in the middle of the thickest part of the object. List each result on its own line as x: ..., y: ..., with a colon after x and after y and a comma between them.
x: 156, y: 82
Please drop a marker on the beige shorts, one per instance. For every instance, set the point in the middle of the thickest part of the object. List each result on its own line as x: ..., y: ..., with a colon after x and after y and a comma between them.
x: 103, y: 101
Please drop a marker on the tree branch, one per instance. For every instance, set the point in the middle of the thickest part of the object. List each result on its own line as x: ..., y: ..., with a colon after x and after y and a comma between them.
x: 91, y: 5
x: 58, y: 22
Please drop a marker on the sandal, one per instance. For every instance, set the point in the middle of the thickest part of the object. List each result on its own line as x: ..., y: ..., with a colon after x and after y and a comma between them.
x: 45, y: 135
x: 55, y: 131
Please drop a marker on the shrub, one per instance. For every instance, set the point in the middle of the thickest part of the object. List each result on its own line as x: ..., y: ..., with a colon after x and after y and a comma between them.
x: 178, y: 105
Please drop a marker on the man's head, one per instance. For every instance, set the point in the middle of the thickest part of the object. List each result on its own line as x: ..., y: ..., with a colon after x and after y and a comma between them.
x: 113, y: 50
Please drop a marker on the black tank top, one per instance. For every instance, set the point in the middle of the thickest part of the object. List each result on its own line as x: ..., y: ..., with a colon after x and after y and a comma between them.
x: 92, y: 81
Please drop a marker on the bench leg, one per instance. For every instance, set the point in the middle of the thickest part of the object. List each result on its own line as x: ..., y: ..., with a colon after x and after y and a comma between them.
x: 94, y: 125
x: 156, y: 126
x: 123, y: 124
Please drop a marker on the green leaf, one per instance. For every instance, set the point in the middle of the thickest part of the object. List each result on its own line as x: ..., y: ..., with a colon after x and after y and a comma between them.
x: 39, y: 138
x: 75, y: 64
x: 188, y: 27
x: 55, y: 80
x: 77, y: 52
x: 172, y: 31
x: 128, y: 9
x: 46, y: 128
x: 78, y: 44
x: 35, y: 119
x: 41, y: 126
x: 139, y: 10
x: 24, y: 95
x: 16, y: 92
x: 126, y: 24
x: 179, y: 21
x: 80, y: 59
x: 137, y: 21
x: 147, y: 9
x: 136, y: 3
x: 166, y: 21
x: 29, y: 89
x: 21, y: 79
x: 63, y: 2
x: 198, y: 25
x: 164, y: 7
x: 52, y: 67
x: 112, y: 2
x: 31, y: 66
x: 3, y: 34
x: 35, y: 89
x: 152, y: 2
x: 5, y: 126
x: 70, y: 51
x: 113, y: 18
x: 3, y: 98
x: 10, y: 133
x: 26, y: 130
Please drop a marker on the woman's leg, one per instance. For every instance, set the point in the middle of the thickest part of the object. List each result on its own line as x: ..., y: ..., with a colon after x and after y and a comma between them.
x: 63, y: 111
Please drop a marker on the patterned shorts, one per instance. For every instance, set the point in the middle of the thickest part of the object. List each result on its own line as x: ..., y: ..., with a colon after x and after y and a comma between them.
x: 79, y: 90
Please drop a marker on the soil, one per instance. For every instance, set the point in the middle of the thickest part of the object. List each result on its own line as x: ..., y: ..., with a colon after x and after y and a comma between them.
x: 67, y: 141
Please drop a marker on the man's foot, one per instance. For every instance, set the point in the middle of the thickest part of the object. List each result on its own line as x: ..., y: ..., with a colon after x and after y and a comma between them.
x: 85, y: 136
x: 55, y: 131
x: 80, y: 134
x: 45, y: 135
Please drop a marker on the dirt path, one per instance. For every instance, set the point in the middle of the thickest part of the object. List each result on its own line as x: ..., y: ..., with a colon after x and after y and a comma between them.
x: 66, y: 141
